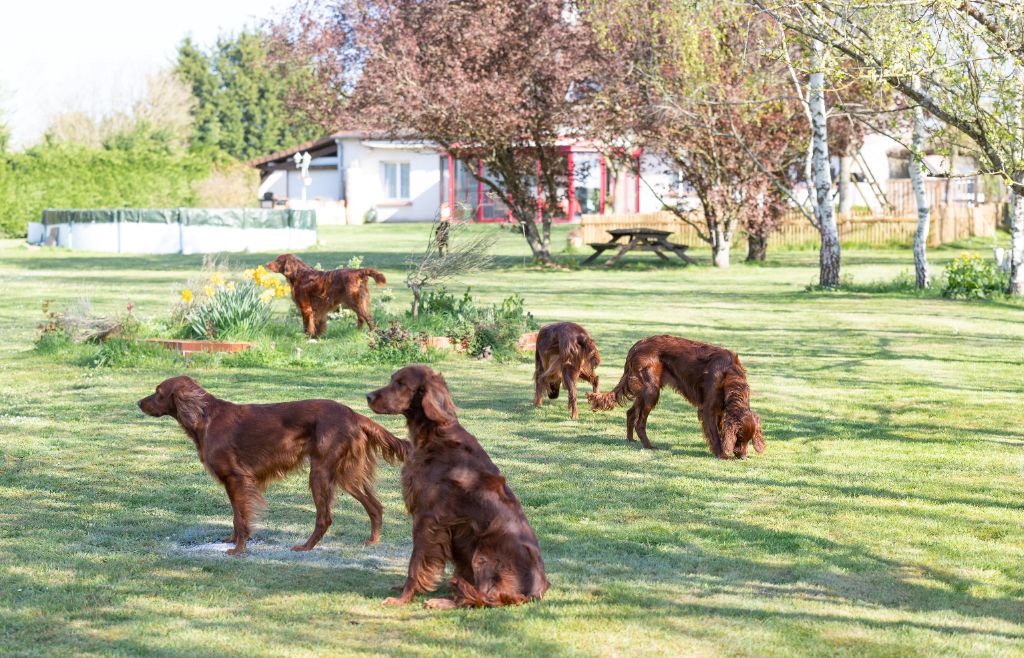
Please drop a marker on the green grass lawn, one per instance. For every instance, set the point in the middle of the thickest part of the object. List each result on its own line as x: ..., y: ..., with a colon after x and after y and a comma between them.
x: 885, y: 518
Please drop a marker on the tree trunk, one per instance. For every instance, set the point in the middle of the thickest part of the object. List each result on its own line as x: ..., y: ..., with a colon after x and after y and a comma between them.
x: 923, y: 210
x: 540, y: 246
x: 829, y: 256
x: 417, y: 295
x: 757, y: 248
x: 1017, y: 239
x: 720, y: 250
x: 845, y: 198
x: 812, y: 198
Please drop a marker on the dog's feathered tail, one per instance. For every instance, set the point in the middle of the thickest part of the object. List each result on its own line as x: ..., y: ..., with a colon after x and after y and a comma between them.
x: 622, y: 393
x: 393, y: 449
x: 378, y: 278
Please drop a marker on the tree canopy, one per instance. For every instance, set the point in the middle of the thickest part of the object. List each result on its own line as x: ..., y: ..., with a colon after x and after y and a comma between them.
x: 241, y: 96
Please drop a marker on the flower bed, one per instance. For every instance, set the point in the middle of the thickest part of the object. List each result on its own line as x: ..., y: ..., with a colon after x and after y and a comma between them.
x: 243, y: 319
x: 187, y: 347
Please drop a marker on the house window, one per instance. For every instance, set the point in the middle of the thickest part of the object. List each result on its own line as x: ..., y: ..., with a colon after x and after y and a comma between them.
x: 396, y: 179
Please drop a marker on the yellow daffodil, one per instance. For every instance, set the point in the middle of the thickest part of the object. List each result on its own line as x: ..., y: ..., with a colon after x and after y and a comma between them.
x: 186, y: 296
x: 208, y: 291
x: 266, y: 296
x: 280, y: 290
x: 231, y: 286
x: 217, y: 279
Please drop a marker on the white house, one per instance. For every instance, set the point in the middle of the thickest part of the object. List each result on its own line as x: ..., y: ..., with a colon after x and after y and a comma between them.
x: 355, y: 176
x: 359, y: 176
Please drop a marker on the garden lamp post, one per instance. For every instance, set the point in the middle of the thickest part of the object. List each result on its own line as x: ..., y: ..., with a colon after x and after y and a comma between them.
x: 302, y: 161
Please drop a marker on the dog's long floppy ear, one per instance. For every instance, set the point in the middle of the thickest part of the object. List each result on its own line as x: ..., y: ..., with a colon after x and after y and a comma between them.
x: 752, y: 428
x: 189, y: 403
x: 437, y: 402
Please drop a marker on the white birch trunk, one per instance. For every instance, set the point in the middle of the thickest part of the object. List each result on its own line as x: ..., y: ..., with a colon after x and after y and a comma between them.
x: 923, y: 209
x: 829, y: 256
x: 812, y: 198
x: 1017, y: 239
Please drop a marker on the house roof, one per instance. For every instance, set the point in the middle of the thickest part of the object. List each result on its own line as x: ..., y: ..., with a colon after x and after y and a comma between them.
x: 325, y: 142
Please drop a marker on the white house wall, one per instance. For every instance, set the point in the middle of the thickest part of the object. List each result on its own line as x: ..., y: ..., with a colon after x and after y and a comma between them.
x: 365, y: 182
x: 657, y: 185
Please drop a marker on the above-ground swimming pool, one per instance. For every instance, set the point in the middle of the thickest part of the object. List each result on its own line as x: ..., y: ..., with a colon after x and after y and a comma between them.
x: 175, y: 230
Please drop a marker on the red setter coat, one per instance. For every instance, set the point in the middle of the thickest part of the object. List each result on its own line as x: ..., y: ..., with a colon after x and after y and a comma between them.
x: 245, y: 446
x: 710, y: 378
x: 462, y: 509
x: 317, y: 293
x: 565, y: 353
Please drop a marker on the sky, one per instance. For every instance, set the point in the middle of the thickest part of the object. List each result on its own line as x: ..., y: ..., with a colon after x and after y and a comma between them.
x: 94, y: 55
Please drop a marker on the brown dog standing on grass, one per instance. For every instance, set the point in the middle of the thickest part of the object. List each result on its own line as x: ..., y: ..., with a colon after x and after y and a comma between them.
x: 710, y: 378
x: 245, y: 446
x: 316, y: 293
x: 462, y: 509
x: 565, y: 353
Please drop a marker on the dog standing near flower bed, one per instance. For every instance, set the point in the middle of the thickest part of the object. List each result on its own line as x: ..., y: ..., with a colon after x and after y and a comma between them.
x: 245, y: 446
x: 565, y: 353
x: 316, y: 293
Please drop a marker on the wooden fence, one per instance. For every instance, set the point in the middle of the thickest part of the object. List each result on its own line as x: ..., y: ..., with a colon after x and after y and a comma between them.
x: 949, y: 223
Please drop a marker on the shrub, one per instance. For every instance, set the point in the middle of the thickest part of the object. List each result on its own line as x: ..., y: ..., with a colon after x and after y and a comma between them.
x: 64, y: 175
x: 497, y: 326
x: 127, y: 353
x: 972, y: 277
x: 394, y: 344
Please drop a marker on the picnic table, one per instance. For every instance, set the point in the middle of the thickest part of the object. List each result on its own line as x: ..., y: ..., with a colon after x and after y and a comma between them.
x: 639, y: 239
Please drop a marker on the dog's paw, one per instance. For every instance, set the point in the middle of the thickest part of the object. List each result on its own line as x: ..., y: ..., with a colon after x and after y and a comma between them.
x: 371, y: 542
x: 301, y: 547
x: 439, y: 604
x: 235, y: 551
x: 393, y: 600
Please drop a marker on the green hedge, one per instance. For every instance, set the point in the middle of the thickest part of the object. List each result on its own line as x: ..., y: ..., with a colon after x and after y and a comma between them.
x: 74, y: 176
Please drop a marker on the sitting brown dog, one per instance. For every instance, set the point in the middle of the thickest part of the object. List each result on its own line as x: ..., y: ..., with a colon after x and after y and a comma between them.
x: 462, y: 509
x: 245, y: 446
x: 565, y: 353
x: 316, y: 293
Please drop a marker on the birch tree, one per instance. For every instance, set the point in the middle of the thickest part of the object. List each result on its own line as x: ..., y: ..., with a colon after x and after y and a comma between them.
x: 917, y: 173
x: 968, y: 57
x: 829, y: 257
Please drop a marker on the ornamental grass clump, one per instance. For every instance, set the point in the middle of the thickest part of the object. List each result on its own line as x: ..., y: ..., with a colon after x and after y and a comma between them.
x: 214, y: 307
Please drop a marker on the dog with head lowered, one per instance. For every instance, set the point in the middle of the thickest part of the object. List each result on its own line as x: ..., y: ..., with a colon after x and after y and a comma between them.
x: 245, y: 446
x: 711, y: 378
x: 462, y: 509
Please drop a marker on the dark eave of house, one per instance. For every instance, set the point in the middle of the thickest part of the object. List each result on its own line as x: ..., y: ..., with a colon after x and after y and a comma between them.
x: 318, y: 147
